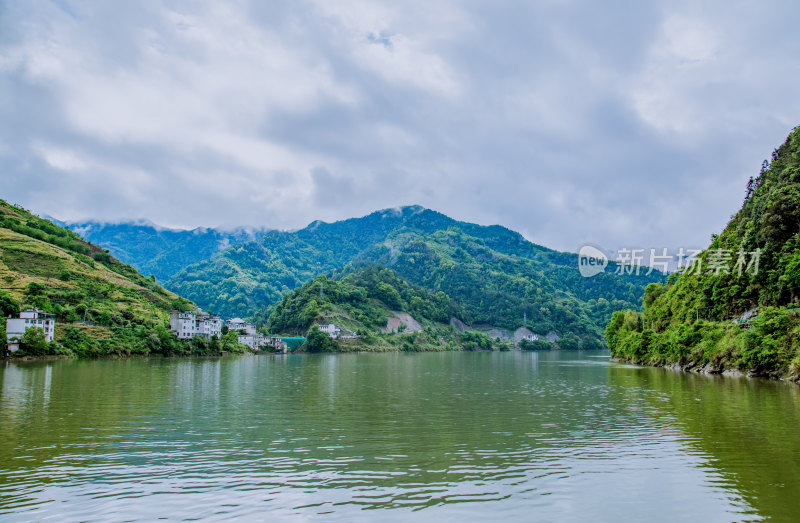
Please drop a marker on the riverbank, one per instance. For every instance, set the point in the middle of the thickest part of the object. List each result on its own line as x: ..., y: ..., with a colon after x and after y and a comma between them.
x: 122, y: 356
x: 720, y: 369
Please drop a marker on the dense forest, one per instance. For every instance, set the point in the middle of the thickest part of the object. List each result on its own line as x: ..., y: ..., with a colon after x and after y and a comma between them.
x: 736, y: 306
x: 362, y: 302
x: 101, y: 305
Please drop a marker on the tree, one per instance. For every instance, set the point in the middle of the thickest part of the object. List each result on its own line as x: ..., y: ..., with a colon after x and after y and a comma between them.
x: 318, y: 341
x: 34, y: 342
x: 8, y: 305
x: 230, y: 342
x: 569, y: 342
x: 539, y: 344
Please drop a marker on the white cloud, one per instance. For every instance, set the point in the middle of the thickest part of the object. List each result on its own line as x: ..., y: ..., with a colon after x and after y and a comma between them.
x: 61, y: 159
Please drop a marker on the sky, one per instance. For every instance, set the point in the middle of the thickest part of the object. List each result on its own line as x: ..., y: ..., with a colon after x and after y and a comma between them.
x: 615, y: 123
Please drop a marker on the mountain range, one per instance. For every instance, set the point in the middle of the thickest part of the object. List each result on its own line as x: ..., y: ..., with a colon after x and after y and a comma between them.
x: 497, y: 277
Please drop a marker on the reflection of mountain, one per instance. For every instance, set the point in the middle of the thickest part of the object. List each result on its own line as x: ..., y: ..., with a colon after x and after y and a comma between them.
x: 749, y: 428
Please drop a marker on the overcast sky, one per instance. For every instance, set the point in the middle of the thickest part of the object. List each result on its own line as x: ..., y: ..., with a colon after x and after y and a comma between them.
x: 616, y: 123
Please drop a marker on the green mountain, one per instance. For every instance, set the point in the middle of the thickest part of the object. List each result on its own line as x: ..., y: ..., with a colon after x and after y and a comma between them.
x: 244, y: 279
x: 157, y: 251
x: 493, y: 273
x: 376, y: 310
x: 737, y: 306
x: 121, y: 312
x: 373, y: 303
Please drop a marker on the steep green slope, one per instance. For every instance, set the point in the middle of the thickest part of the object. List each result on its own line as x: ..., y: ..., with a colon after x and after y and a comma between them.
x: 363, y: 300
x: 733, y: 309
x: 49, y: 267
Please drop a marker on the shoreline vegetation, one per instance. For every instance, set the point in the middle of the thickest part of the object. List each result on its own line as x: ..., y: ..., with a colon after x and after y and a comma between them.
x: 420, y: 341
x: 17, y: 357
x: 722, y: 314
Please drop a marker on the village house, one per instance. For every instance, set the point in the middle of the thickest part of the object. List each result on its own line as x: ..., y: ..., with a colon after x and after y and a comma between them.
x: 198, y: 323
x: 278, y: 344
x: 254, y: 341
x: 208, y: 325
x: 238, y: 324
x: 330, y: 329
x: 16, y: 327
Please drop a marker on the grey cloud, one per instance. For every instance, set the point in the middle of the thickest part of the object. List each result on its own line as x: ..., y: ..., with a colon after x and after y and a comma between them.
x: 620, y: 124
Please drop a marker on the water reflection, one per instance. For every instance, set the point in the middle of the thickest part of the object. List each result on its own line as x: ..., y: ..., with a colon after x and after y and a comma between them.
x: 748, y: 429
x: 472, y: 435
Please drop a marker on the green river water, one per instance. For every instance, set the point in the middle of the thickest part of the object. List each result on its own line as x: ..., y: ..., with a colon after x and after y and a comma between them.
x: 435, y: 436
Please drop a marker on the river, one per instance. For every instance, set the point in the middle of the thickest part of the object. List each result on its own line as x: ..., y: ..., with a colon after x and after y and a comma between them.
x: 434, y: 436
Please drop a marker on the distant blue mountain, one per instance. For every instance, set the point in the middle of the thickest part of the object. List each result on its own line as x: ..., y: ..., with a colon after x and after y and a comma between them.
x: 159, y: 251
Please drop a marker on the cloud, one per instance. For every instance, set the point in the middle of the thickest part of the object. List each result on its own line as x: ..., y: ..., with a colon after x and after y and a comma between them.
x: 615, y: 124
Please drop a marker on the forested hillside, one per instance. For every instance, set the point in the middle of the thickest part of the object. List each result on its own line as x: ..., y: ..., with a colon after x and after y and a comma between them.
x: 249, y: 277
x: 737, y: 305
x: 500, y: 287
x: 362, y: 303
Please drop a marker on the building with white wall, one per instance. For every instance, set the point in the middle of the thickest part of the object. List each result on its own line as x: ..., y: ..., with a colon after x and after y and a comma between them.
x: 183, y: 324
x: 189, y: 324
x: 238, y: 324
x: 330, y: 329
x: 254, y: 341
x: 208, y: 325
x: 16, y: 327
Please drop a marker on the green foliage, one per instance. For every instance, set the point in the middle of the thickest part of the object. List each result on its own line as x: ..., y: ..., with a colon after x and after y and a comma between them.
x: 318, y: 341
x: 34, y: 342
x: 699, y: 317
x: 360, y: 301
x: 8, y: 306
x: 569, y: 342
x: 539, y: 344
x: 476, y: 340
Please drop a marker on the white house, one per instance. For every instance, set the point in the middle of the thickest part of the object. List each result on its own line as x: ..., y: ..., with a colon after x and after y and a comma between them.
x: 238, y: 324
x: 16, y: 327
x: 208, y: 325
x: 198, y: 323
x: 184, y: 324
x: 330, y: 329
x: 254, y: 341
